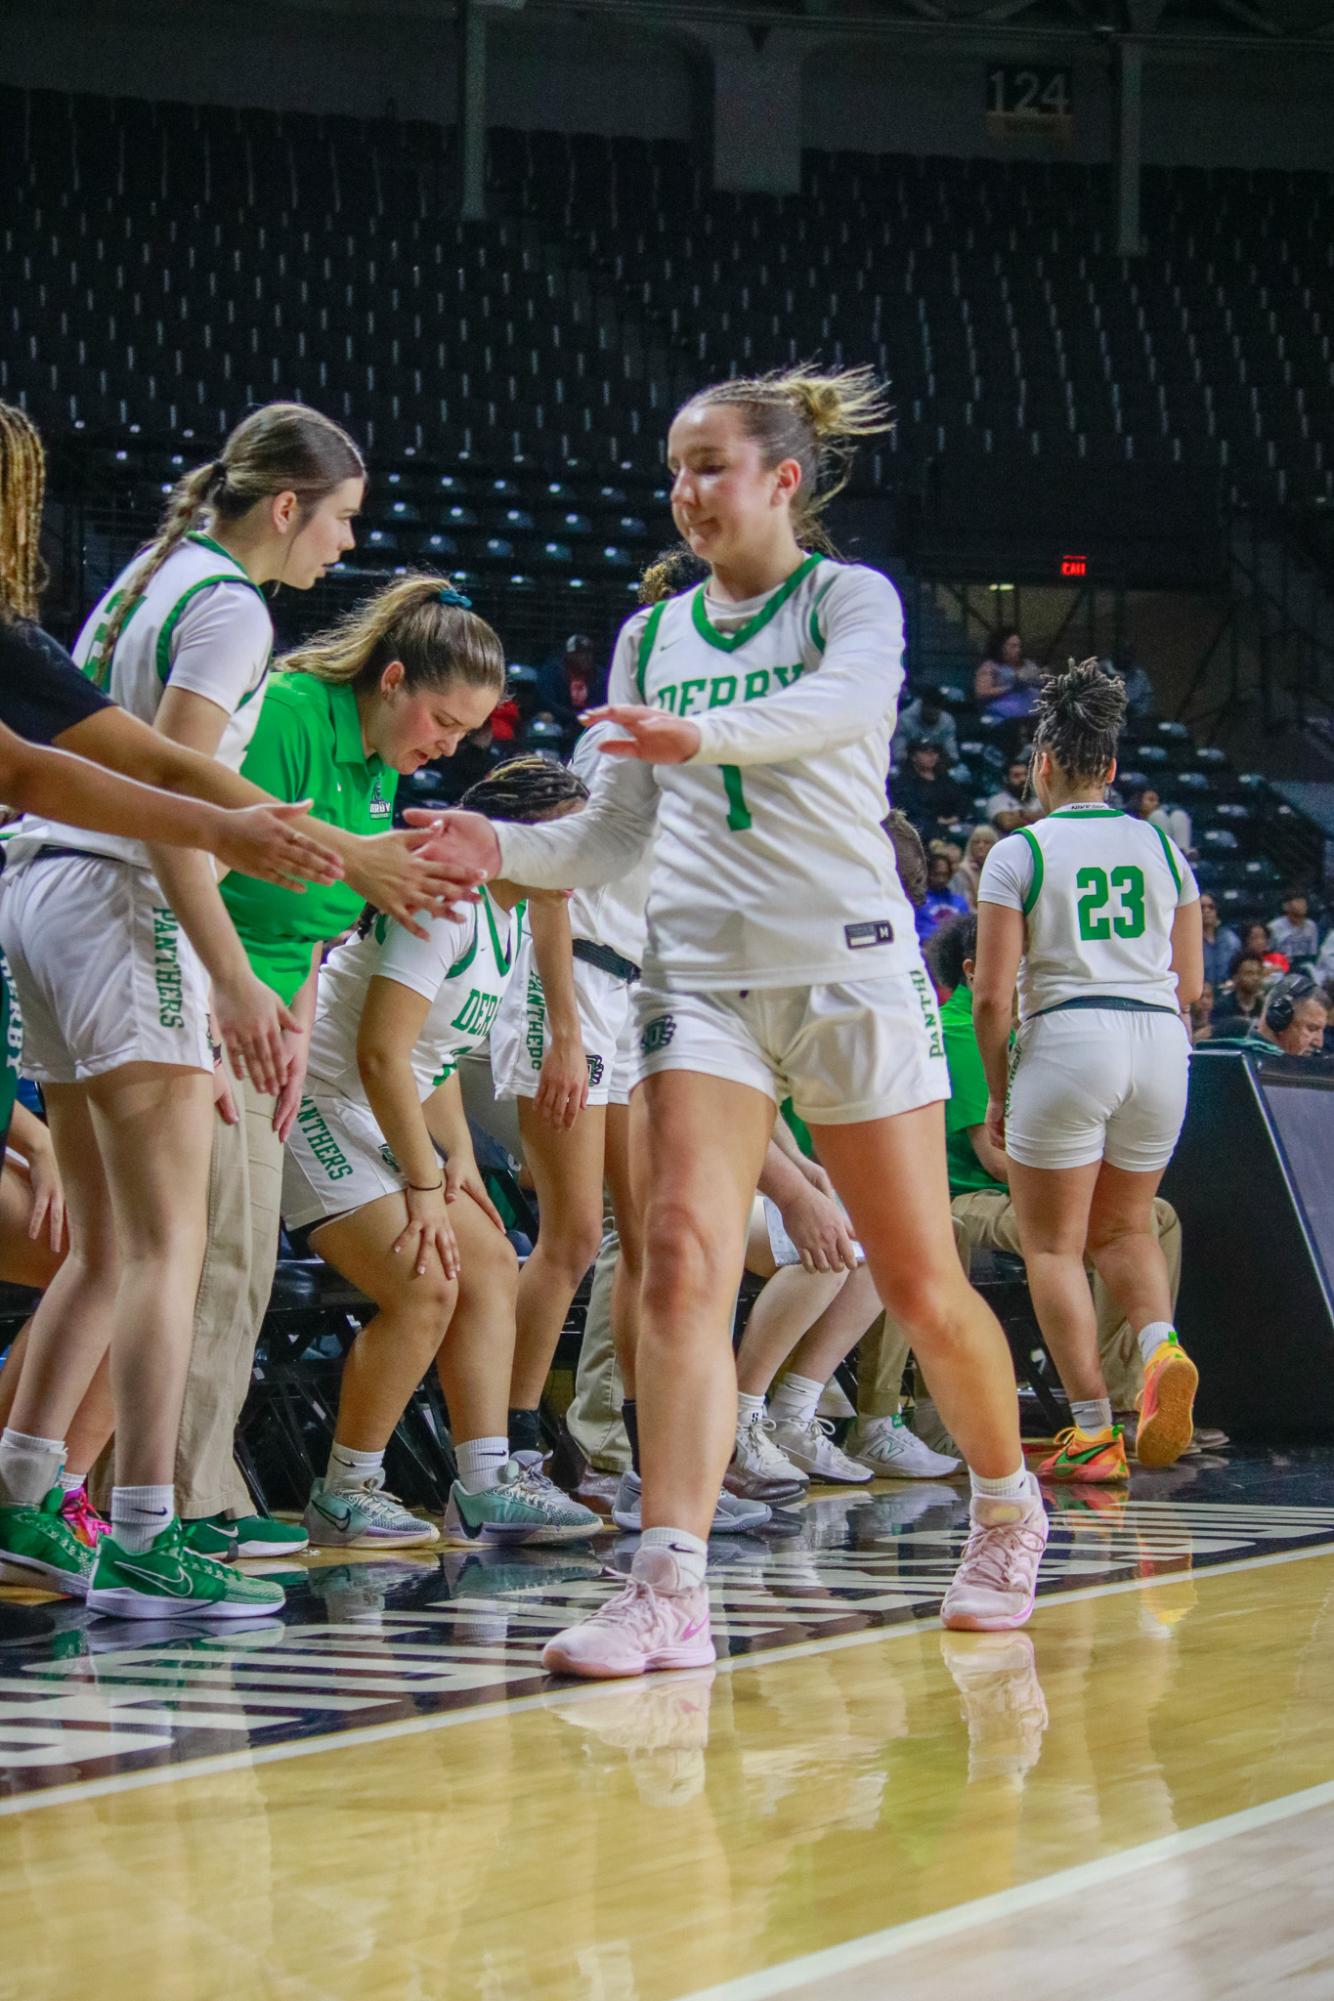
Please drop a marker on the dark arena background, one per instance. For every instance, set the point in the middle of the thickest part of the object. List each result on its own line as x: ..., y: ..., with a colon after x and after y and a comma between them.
x: 1089, y: 247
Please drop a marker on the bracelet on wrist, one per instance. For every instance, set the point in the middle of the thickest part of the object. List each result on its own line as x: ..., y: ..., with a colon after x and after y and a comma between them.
x: 429, y: 1188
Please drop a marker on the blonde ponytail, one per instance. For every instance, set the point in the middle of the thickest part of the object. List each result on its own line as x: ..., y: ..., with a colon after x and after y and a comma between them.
x: 815, y: 417
x: 675, y: 570
x: 419, y: 619
x: 282, y: 448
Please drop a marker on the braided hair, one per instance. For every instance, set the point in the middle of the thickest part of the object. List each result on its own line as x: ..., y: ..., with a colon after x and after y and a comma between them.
x: 525, y: 789
x: 674, y: 570
x: 1079, y: 717
x: 22, y: 490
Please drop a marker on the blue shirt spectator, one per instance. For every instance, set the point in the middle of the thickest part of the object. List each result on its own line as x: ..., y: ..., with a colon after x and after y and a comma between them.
x: 926, y: 720
x: 1221, y: 943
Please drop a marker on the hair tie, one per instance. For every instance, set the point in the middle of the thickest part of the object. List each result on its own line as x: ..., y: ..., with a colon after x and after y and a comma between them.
x: 455, y: 598
x: 217, y: 471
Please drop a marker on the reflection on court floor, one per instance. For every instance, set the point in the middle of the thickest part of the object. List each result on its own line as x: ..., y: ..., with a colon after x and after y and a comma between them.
x: 387, y: 1645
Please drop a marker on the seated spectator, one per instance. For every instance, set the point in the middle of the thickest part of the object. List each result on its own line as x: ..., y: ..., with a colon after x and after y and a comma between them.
x: 1255, y: 938
x: 1241, y: 997
x: 1139, y: 688
x: 1202, y: 1015
x: 964, y: 880
x: 941, y: 905
x: 1173, y: 821
x: 927, y: 720
x: 1014, y: 805
x: 1324, y: 965
x: 1221, y: 943
x: 1294, y: 933
x: 1293, y: 1020
x: 570, y: 682
x: 1006, y: 681
x: 928, y: 795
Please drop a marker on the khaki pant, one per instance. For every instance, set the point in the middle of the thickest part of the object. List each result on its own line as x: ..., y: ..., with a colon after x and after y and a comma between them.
x: 594, y: 1415
x: 244, y: 1189
x: 986, y: 1221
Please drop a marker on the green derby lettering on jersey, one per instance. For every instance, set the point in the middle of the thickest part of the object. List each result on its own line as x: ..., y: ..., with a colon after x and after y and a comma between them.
x: 167, y: 967
x: 724, y: 691
x: 321, y: 1141
x: 477, y: 1013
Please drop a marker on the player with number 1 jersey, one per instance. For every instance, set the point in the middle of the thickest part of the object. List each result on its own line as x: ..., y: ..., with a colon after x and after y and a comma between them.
x: 754, y: 715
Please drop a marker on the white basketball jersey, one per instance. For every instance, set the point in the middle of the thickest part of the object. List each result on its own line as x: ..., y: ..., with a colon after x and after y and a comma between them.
x: 202, y: 624
x: 1099, y: 891
x: 769, y: 864
x: 614, y: 915
x: 462, y: 967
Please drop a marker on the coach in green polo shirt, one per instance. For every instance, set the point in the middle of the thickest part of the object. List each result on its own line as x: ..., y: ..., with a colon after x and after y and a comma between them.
x: 398, y: 683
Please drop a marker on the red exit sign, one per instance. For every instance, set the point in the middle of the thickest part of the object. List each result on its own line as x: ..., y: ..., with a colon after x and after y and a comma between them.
x: 1074, y: 566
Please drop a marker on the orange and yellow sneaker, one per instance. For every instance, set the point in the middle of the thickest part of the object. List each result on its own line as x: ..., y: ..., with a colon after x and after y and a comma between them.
x: 1165, y: 1405
x: 1091, y: 1457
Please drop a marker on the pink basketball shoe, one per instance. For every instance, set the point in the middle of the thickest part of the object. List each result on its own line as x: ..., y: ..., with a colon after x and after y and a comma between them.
x: 994, y: 1587
x: 644, y: 1627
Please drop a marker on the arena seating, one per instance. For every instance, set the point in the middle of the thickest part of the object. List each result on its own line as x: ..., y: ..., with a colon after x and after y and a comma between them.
x: 511, y: 378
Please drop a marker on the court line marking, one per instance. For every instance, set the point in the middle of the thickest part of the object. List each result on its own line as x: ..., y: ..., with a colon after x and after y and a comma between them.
x: 416, y: 1726
x: 854, y: 1954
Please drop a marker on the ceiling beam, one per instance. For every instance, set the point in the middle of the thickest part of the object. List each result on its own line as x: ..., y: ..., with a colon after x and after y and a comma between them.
x: 1239, y: 11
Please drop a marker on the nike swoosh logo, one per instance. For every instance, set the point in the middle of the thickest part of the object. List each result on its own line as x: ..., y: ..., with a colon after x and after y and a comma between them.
x: 1082, y: 1458
x: 696, y: 1626
x: 338, y: 1521
x: 178, y: 1586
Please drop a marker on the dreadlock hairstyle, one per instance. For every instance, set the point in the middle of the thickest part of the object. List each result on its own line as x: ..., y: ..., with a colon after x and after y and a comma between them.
x: 523, y: 789
x: 1079, y: 718
x: 671, y: 572
x: 812, y: 417
x: 526, y: 790
x: 22, y: 490
x: 283, y: 448
x: 909, y: 855
x: 419, y: 619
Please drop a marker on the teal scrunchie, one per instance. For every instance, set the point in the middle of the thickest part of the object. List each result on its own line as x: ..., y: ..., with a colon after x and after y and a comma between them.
x: 450, y: 596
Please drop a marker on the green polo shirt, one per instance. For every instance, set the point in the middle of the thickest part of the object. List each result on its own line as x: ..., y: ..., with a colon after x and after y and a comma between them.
x: 307, y: 745
x: 969, y: 1095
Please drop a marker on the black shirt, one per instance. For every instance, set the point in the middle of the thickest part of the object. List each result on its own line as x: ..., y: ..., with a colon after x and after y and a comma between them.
x: 42, y: 692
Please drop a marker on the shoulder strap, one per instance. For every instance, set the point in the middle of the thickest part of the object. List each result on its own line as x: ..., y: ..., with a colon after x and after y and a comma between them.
x: 1168, y: 855
x: 1034, y: 887
x: 647, y: 640
x: 179, y: 609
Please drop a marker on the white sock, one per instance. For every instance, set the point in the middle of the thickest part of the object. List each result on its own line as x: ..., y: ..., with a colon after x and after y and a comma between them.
x: 1014, y: 1487
x: 670, y: 1560
x: 795, y: 1400
x: 139, y: 1515
x: 479, y: 1463
x: 1092, y: 1413
x: 348, y: 1469
x: 70, y: 1483
x: 1150, y: 1338
x: 748, y: 1407
x: 29, y: 1467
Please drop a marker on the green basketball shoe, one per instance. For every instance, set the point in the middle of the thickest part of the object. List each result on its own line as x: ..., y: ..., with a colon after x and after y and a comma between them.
x: 523, y: 1507
x: 38, y: 1547
x: 172, y: 1581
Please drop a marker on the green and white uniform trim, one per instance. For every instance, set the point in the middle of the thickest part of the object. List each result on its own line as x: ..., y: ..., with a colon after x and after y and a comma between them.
x: 462, y: 967
x: 1099, y: 891
x: 769, y: 867
x: 201, y: 625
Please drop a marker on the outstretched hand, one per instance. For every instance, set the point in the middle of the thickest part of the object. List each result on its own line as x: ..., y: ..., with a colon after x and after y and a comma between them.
x: 652, y: 735
x: 462, y: 844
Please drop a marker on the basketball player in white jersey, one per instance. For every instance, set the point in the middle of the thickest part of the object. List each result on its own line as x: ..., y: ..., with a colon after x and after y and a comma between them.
x: 754, y: 715
x: 362, y: 1178
x: 571, y: 1157
x: 1098, y: 915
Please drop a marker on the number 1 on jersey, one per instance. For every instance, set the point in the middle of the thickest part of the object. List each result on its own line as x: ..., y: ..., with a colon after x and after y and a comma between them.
x: 738, y: 813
